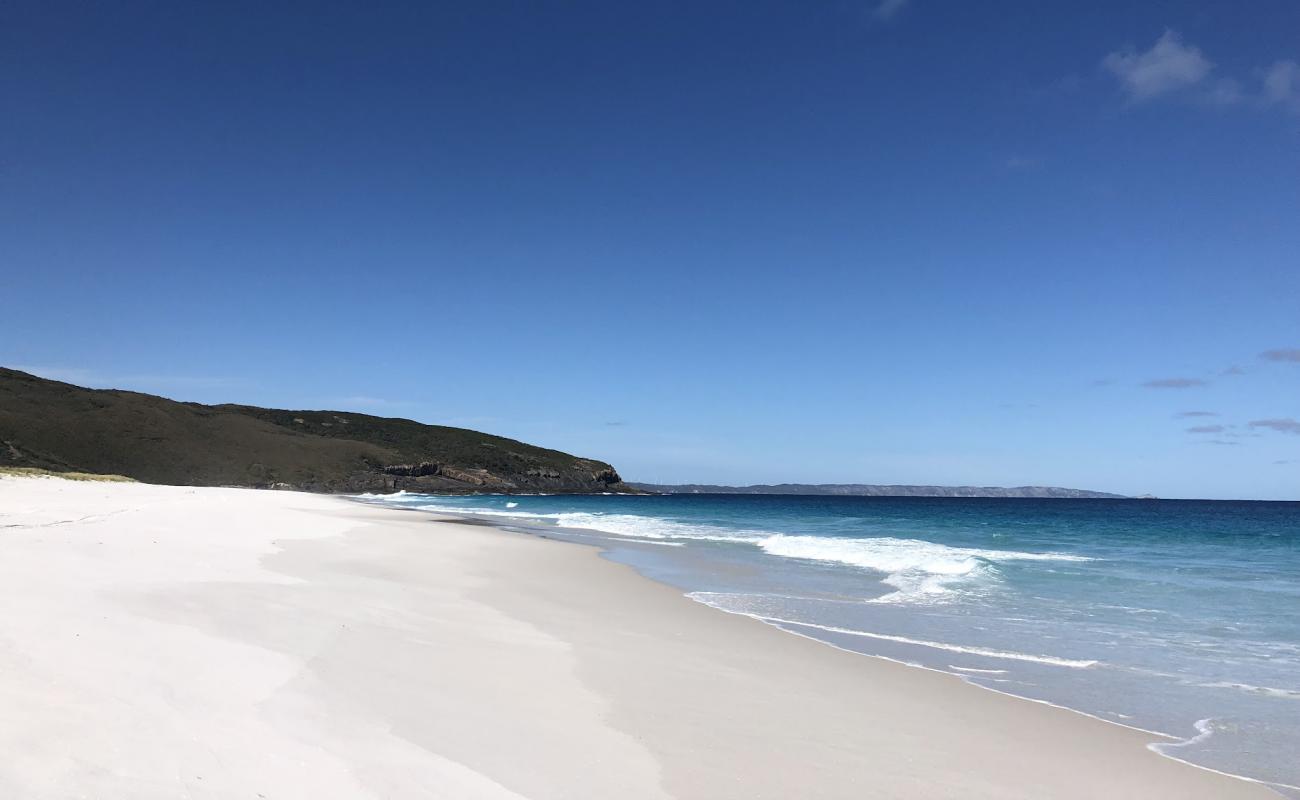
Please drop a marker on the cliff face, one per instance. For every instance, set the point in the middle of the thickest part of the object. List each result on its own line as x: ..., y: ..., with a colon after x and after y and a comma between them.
x: 62, y: 427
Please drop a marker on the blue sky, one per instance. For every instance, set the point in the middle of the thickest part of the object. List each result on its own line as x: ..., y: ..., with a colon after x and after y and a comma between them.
x: 909, y: 242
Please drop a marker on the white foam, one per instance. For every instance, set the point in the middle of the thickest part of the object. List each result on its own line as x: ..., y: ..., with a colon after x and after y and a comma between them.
x: 654, y: 527
x: 917, y: 569
x: 401, y: 496
x: 889, y: 554
x: 953, y: 648
x: 626, y: 525
x: 1204, y: 730
x: 598, y: 536
x: 1268, y: 691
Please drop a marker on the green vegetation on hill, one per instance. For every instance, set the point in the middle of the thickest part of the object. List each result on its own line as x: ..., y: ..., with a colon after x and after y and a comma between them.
x: 34, y: 472
x: 59, y: 427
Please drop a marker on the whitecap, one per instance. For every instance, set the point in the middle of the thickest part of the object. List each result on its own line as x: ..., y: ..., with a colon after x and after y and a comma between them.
x: 918, y: 570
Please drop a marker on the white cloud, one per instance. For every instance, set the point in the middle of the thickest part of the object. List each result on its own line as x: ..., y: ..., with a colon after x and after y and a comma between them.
x: 1282, y: 425
x: 1225, y: 92
x: 1282, y: 84
x: 1176, y: 383
x: 1174, y: 67
x: 1168, y: 66
x: 1291, y: 354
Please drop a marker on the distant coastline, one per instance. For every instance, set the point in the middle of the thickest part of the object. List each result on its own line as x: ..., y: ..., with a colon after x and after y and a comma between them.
x: 60, y: 427
x: 880, y: 490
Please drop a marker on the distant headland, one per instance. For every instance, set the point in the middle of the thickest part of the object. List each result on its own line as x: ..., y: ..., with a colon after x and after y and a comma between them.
x: 46, y: 424
x: 877, y: 490
x: 56, y: 426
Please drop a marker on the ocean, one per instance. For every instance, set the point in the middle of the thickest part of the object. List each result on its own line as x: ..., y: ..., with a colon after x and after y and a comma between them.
x: 1179, y: 617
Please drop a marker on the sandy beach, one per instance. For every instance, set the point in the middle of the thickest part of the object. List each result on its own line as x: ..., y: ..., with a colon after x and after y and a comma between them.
x: 228, y: 643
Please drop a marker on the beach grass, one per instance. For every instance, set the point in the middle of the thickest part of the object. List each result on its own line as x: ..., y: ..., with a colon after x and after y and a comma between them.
x: 34, y: 472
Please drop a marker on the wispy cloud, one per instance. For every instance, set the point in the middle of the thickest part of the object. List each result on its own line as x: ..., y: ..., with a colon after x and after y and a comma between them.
x: 1222, y: 443
x: 1206, y: 429
x: 618, y: 423
x: 1233, y: 370
x: 1281, y: 425
x: 1186, y: 414
x: 1173, y: 67
x: 1170, y: 65
x: 1224, y: 92
x: 1291, y: 355
x: 886, y: 9
x: 1282, y: 85
x: 1175, y: 383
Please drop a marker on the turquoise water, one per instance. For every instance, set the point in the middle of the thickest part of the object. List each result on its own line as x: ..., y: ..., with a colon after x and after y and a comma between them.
x: 1179, y: 617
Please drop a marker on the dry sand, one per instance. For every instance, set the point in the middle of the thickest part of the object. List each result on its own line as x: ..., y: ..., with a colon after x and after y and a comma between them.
x: 166, y: 642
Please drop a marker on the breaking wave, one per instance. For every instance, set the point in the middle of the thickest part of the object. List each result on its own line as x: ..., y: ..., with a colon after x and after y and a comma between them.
x: 916, y: 570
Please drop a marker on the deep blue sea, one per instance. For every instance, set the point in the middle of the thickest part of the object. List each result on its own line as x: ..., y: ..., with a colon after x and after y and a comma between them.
x: 1180, y: 617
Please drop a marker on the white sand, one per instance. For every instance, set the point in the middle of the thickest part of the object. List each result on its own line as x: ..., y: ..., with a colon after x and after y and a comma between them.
x: 223, y: 643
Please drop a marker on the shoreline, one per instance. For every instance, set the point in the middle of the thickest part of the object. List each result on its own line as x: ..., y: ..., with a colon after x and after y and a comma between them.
x: 1173, y: 740
x: 225, y: 641
x: 600, y: 541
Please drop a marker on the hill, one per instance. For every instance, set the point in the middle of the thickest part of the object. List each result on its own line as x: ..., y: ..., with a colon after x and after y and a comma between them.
x: 875, y: 490
x: 47, y: 424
